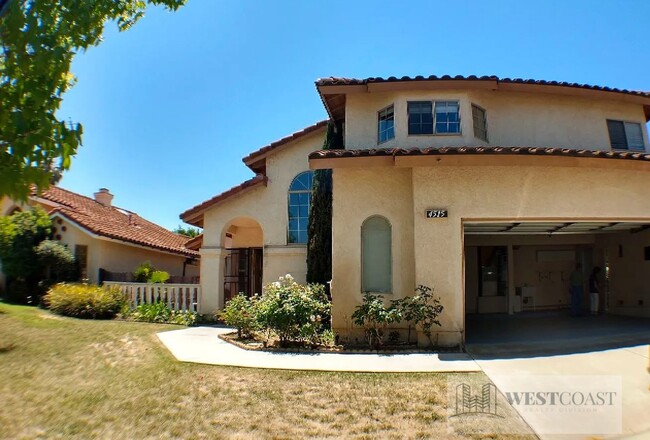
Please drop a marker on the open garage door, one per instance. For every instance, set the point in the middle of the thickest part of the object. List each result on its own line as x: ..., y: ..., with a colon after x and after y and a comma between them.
x: 517, y: 272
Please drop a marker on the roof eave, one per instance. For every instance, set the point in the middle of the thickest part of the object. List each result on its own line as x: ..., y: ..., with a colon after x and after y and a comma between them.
x: 194, y: 216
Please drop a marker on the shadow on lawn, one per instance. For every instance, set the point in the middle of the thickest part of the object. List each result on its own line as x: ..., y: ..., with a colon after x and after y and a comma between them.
x: 7, y: 348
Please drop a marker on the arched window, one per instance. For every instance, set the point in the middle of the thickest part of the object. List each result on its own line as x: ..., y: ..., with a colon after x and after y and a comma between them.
x: 376, y: 264
x: 299, y: 203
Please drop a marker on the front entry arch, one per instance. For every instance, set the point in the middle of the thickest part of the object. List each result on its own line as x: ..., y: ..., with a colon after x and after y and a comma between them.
x: 244, y: 241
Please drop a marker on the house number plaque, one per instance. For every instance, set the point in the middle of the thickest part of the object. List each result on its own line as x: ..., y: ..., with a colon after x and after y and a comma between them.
x: 436, y: 213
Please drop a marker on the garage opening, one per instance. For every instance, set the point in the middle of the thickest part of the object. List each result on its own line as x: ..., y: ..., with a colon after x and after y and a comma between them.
x: 519, y: 276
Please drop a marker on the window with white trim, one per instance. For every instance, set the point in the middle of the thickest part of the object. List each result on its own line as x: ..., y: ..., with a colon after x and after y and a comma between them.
x: 376, y: 260
x: 625, y: 135
x: 299, y: 203
x: 385, y: 124
x: 437, y: 117
x: 480, y: 122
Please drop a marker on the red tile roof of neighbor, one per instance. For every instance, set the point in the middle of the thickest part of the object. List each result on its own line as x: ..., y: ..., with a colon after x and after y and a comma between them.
x: 113, y: 222
x: 481, y: 150
x: 338, y: 81
x: 186, y: 216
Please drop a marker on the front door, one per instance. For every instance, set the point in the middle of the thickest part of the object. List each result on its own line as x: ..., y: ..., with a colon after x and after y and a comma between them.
x: 243, y: 272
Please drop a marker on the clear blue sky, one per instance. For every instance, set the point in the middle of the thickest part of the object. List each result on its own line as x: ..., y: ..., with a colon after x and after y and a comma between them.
x: 171, y: 106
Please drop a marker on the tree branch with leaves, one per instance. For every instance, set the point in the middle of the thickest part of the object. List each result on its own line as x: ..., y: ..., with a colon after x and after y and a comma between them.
x: 38, y: 41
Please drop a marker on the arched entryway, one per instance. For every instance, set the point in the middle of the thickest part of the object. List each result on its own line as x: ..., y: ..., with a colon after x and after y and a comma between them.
x: 243, y: 240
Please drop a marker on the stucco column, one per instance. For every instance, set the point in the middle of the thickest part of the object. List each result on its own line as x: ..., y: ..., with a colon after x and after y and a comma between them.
x: 212, y: 269
x: 438, y: 246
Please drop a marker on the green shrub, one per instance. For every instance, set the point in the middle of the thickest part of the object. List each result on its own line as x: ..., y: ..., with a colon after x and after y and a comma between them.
x: 85, y: 300
x: 239, y: 312
x: 161, y: 313
x: 294, y: 312
x: 159, y: 277
x: 143, y: 272
x: 420, y: 310
x: 374, y: 316
x: 58, y: 261
x: 20, y: 234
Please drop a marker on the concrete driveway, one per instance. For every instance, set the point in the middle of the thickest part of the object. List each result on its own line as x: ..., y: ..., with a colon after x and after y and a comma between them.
x: 624, y: 360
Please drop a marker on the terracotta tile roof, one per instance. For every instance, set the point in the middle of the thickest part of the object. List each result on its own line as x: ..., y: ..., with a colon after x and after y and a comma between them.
x: 334, y: 81
x: 252, y: 158
x: 113, y: 222
x: 332, y: 90
x: 195, y: 243
x: 481, y: 150
x: 188, y: 215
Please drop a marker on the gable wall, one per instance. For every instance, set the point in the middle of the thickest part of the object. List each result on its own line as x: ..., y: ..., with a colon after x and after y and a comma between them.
x: 513, y: 118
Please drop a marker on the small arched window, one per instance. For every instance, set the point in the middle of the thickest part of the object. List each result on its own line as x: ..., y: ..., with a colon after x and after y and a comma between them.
x: 299, y: 203
x: 376, y: 264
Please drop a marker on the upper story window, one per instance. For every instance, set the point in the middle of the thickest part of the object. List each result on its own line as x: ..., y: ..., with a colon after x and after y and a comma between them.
x: 299, y: 203
x: 625, y: 135
x: 439, y: 117
x: 480, y: 122
x: 385, y: 124
x: 420, y: 117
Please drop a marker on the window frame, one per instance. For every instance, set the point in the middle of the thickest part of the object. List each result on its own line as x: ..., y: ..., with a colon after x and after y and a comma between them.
x: 390, y: 256
x: 485, y: 122
x: 433, y: 117
x: 291, y: 191
x: 379, y: 131
x: 627, y: 147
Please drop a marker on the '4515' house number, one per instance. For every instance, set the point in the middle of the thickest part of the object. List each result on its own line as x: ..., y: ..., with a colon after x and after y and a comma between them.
x: 436, y: 213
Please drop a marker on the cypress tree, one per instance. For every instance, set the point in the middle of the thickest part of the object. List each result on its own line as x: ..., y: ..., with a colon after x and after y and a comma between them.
x: 319, y: 246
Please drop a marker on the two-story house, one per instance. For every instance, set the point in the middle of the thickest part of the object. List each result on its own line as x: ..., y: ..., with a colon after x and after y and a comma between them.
x: 489, y: 190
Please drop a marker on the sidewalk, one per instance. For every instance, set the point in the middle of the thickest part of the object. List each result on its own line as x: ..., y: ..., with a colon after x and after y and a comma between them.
x: 202, y: 345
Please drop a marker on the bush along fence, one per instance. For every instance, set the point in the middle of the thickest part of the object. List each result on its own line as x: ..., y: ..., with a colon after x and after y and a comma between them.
x: 90, y: 301
x: 180, y: 297
x: 147, y: 285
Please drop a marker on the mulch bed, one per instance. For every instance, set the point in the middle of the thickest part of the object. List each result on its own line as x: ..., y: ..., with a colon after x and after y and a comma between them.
x: 255, y: 345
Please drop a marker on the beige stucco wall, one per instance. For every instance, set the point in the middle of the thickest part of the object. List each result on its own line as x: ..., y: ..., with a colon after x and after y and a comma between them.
x: 473, y: 193
x: 513, y: 118
x: 359, y: 194
x: 266, y: 205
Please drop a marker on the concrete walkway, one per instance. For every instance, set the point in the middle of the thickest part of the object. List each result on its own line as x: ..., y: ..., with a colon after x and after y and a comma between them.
x: 202, y: 345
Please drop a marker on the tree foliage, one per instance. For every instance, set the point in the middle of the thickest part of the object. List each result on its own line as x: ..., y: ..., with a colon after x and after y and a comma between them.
x: 187, y: 231
x: 57, y: 260
x: 20, y: 233
x: 38, y: 40
x: 319, y: 246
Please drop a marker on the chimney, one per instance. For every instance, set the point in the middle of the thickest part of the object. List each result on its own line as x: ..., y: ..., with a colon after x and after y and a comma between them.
x: 104, y: 197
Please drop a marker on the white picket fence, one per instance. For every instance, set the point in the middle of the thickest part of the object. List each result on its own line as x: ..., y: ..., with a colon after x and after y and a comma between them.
x: 183, y: 297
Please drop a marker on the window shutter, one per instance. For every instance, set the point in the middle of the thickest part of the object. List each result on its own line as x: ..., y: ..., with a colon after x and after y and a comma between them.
x: 634, y: 136
x: 376, y: 255
x: 617, y: 135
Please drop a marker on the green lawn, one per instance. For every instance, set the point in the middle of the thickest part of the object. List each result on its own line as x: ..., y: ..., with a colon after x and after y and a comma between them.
x: 68, y: 378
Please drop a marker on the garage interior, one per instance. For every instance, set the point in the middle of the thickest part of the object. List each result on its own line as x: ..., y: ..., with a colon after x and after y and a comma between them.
x: 517, y: 278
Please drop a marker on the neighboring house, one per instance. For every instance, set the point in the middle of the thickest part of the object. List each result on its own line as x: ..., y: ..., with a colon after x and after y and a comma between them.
x: 488, y: 190
x: 108, y: 238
